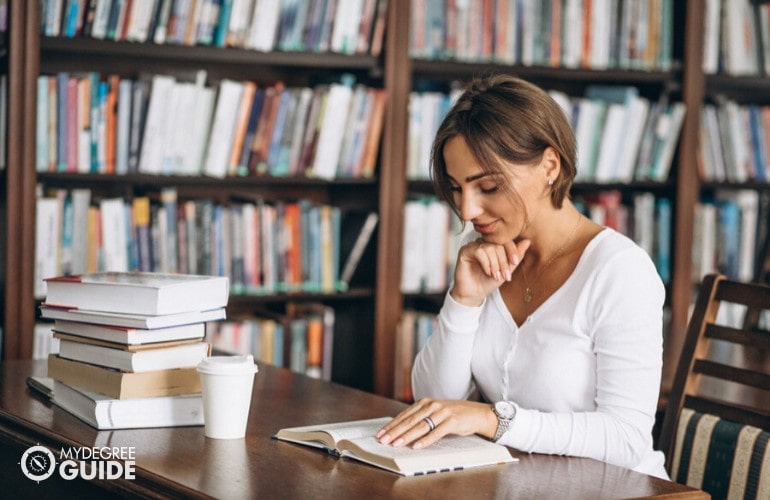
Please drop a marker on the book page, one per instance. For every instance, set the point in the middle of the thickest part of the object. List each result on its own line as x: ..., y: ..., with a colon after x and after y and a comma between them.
x: 337, y: 431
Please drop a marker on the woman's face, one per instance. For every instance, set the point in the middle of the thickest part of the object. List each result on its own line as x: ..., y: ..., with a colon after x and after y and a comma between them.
x: 482, y: 198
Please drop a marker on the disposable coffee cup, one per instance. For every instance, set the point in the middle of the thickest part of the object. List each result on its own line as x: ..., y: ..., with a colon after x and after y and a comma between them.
x: 226, y: 384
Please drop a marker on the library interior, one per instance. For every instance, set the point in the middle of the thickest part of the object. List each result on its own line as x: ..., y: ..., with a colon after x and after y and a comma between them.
x: 188, y: 178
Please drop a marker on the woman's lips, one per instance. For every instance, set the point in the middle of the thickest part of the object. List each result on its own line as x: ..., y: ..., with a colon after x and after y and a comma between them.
x: 484, y: 228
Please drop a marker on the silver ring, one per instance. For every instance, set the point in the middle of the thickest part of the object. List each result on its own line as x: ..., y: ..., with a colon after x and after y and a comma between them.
x: 430, y: 423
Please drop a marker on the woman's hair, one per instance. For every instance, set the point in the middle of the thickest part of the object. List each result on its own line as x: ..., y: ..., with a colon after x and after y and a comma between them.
x: 506, y: 119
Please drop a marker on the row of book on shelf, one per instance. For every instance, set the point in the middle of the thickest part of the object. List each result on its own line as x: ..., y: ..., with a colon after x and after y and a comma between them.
x: 730, y: 234
x: 643, y: 217
x: 736, y: 38
x: 262, y: 247
x: 128, y: 345
x: 302, y: 339
x: 600, y: 34
x: 175, y: 125
x: 621, y: 135
x: 341, y: 26
x: 734, y: 142
x: 433, y: 234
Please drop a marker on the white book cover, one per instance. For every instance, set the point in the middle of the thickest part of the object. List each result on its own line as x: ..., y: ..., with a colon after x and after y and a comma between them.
x: 192, y: 163
x: 264, y: 25
x: 104, y: 413
x: 222, y: 128
x: 415, y: 222
x: 154, y: 140
x: 138, y: 292
x: 47, y: 240
x: 612, y: 138
x: 168, y: 357
x: 436, y: 243
x: 41, y: 129
x: 238, y: 24
x: 414, y: 137
x: 711, y: 30
x: 136, y: 328
x: 644, y: 221
x: 101, y: 19
x: 638, y: 112
x: 430, y: 119
x: 178, y: 129
x: 345, y: 28
x: 599, y: 56
x: 334, y: 122
x: 125, y: 94
x: 589, y: 114
x: 572, y: 45
x: 114, y: 221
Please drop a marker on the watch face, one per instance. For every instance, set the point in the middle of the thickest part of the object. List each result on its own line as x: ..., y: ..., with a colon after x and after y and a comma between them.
x: 505, y: 409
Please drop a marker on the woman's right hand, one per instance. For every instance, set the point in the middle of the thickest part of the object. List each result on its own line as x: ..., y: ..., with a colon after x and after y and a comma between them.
x: 482, y: 267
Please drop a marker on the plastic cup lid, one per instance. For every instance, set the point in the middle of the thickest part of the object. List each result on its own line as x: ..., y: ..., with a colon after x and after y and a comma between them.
x: 228, y: 365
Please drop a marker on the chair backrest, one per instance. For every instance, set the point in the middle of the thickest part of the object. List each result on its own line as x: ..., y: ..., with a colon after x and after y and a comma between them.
x: 717, y: 422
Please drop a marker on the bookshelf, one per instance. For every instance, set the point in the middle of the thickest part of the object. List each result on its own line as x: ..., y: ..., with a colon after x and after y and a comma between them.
x: 369, y: 315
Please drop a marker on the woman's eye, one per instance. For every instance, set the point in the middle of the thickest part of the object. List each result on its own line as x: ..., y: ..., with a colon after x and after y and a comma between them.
x: 488, y: 189
x: 455, y: 189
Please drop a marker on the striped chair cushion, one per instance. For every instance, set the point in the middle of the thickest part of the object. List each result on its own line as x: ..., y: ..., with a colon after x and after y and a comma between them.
x: 723, y: 458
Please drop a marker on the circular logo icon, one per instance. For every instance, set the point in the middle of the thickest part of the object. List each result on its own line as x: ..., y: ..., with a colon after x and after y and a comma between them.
x: 38, y: 463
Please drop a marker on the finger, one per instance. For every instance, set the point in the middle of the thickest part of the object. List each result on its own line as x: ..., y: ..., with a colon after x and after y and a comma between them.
x: 489, y: 259
x: 415, y: 425
x: 515, y: 251
x: 402, y: 421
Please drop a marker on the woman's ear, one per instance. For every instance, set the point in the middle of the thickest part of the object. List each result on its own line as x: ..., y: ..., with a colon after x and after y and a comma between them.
x: 551, y: 163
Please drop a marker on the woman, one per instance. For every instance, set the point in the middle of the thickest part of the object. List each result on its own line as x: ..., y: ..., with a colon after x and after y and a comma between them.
x: 554, y: 320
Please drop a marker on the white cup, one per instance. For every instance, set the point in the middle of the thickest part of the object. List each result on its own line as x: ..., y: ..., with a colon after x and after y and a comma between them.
x: 226, y: 383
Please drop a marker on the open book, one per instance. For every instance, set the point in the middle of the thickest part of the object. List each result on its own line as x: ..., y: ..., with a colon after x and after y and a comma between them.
x: 356, y: 440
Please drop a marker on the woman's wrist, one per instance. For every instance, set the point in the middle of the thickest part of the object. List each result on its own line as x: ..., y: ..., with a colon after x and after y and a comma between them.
x: 466, y: 300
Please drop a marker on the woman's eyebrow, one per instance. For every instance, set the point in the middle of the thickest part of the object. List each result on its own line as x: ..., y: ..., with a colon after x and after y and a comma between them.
x: 472, y: 178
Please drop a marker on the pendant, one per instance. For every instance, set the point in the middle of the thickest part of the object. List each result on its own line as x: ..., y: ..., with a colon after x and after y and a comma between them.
x: 527, y: 296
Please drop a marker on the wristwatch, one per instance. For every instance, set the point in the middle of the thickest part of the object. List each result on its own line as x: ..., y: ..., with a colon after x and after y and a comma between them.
x: 505, y: 411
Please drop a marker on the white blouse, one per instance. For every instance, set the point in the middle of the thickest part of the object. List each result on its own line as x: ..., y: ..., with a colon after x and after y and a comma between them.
x: 584, y: 369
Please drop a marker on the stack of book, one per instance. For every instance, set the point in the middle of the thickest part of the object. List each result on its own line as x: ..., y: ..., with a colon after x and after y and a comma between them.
x: 129, y: 345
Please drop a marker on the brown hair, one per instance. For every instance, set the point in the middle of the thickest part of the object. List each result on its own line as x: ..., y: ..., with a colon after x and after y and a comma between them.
x: 506, y: 119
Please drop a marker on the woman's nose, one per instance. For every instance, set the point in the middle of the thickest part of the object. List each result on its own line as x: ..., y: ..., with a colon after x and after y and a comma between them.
x: 469, y: 207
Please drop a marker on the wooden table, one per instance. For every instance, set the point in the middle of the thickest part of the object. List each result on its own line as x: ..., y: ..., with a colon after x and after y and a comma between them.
x: 181, y: 462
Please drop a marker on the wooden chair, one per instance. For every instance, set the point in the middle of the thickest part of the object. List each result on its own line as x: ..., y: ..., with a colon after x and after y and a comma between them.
x: 717, y: 422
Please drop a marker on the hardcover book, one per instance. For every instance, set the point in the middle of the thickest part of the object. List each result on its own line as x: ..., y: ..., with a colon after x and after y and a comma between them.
x: 356, y: 440
x: 133, y: 358
x: 138, y: 292
x: 133, y: 325
x: 103, y: 412
x: 121, y: 385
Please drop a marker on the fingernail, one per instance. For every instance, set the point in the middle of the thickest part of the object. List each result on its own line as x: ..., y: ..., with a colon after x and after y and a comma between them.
x: 515, y: 260
x: 498, y: 276
x: 508, y: 274
x: 398, y: 442
x: 384, y: 438
x: 417, y: 445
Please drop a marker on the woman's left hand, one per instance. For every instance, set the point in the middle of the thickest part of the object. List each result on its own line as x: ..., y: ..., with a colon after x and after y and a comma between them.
x: 428, y: 420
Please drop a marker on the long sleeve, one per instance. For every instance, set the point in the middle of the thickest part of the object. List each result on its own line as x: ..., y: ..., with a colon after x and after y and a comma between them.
x: 584, y: 368
x: 442, y: 369
x: 625, y: 323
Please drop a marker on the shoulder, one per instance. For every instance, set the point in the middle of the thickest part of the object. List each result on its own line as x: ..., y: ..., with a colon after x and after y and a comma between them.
x: 613, y: 260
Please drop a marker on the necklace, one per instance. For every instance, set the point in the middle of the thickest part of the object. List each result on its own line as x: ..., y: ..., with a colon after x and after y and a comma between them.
x: 528, y: 287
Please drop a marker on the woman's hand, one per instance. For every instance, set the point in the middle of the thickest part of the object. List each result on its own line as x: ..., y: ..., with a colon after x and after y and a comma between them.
x: 428, y: 420
x: 482, y: 267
